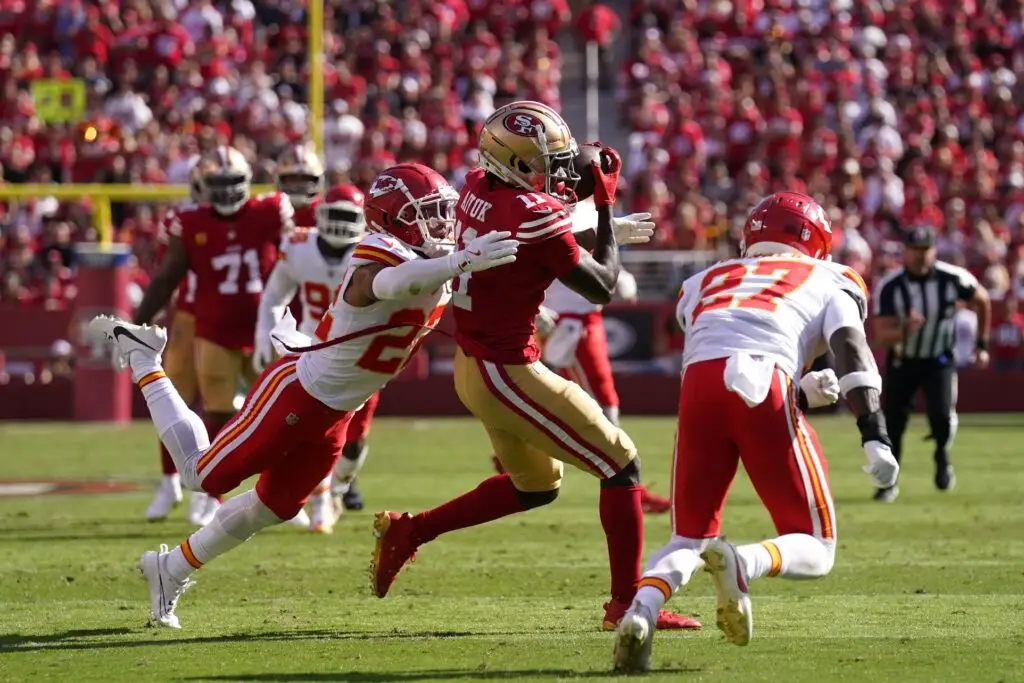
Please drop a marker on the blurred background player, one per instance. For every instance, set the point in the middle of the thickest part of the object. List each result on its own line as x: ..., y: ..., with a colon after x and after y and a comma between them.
x: 311, y: 263
x: 752, y: 324
x: 300, y: 175
x: 291, y: 428
x: 534, y: 418
x: 230, y: 244
x: 180, y: 365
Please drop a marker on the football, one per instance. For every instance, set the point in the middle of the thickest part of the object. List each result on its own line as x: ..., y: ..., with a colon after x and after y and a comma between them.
x: 588, y: 153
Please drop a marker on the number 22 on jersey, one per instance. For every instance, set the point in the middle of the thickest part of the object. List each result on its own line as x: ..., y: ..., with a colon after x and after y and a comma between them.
x: 719, y: 287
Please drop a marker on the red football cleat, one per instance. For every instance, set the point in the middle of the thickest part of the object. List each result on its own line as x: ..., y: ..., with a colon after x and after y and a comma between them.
x: 667, y: 621
x: 393, y: 549
x: 652, y: 503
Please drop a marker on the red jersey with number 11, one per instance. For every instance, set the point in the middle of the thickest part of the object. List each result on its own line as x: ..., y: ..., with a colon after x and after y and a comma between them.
x: 495, y: 309
x: 231, y: 257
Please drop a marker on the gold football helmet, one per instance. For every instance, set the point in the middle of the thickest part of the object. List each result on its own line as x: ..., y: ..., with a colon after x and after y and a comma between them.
x: 300, y: 174
x: 529, y: 145
x: 226, y: 178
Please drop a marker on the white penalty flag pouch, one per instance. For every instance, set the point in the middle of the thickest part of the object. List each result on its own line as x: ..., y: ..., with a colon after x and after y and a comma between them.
x: 750, y: 377
x: 285, y: 332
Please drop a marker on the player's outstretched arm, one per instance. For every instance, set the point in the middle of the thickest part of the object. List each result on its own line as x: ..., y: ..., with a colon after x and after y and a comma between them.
x: 161, y: 288
x: 376, y: 282
x: 861, y: 385
x: 595, y: 276
x: 277, y: 293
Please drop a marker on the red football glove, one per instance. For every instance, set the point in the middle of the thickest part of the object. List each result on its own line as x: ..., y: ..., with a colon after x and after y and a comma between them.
x: 606, y: 182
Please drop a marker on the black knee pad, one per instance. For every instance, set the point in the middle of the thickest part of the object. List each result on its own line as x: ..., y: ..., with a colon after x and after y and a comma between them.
x: 536, y: 499
x: 353, y: 449
x: 627, y: 476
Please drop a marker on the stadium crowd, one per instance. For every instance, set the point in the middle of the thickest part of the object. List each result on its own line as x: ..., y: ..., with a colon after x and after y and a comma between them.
x: 896, y: 116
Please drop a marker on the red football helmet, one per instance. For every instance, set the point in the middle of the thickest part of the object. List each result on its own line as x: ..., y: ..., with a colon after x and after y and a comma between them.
x: 339, y: 217
x: 791, y: 219
x: 415, y: 204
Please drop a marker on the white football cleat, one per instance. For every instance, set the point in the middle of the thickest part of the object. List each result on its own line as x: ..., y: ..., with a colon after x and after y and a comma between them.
x: 128, y: 337
x: 164, y: 590
x: 322, y: 515
x: 634, y: 637
x: 735, y: 613
x: 168, y: 496
x: 300, y: 520
x: 202, y: 508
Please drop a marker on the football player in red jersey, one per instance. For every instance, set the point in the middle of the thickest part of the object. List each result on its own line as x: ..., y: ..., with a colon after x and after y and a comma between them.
x: 231, y: 245
x: 311, y: 264
x: 292, y: 426
x: 536, y: 420
x: 300, y: 175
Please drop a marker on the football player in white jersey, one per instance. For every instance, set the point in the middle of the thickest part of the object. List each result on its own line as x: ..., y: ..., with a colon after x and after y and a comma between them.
x: 292, y: 427
x: 311, y: 263
x: 752, y: 325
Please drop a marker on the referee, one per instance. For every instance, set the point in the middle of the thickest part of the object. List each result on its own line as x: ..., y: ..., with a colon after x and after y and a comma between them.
x: 914, y: 308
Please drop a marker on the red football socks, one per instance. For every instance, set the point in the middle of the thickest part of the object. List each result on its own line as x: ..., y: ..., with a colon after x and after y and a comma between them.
x: 167, y: 462
x: 622, y: 518
x: 492, y: 499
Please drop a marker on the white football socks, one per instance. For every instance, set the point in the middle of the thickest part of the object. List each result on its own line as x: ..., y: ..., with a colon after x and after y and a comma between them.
x: 345, y: 470
x: 670, y: 568
x: 180, y: 430
x: 235, y: 522
x: 792, y: 556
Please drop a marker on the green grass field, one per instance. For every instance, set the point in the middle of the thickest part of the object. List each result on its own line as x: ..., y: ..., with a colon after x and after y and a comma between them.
x: 930, y: 588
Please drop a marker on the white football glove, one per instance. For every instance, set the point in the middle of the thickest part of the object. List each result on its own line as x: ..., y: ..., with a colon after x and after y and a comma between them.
x: 821, y: 388
x: 636, y: 228
x: 263, y: 353
x: 882, y: 465
x: 545, y: 321
x: 487, y: 251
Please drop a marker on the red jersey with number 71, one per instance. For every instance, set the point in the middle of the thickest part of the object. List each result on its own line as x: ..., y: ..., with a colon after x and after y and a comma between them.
x: 781, y: 307
x: 231, y: 256
x: 495, y: 309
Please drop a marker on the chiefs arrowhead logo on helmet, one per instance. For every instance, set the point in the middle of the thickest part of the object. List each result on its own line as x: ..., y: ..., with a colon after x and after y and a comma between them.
x: 526, y: 125
x: 383, y: 184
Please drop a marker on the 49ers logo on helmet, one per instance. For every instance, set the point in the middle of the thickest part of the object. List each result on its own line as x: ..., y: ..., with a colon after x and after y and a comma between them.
x: 526, y: 125
x: 382, y: 185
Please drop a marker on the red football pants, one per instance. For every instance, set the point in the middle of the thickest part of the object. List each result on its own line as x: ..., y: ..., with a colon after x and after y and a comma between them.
x: 779, y: 451
x: 593, y: 370
x: 359, y: 427
x: 283, y: 434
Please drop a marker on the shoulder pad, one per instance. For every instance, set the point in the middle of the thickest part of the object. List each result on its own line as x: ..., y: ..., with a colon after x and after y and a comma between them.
x: 853, y: 284
x: 382, y: 249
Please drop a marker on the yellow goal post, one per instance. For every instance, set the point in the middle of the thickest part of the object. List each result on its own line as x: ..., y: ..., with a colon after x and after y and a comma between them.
x: 101, y: 196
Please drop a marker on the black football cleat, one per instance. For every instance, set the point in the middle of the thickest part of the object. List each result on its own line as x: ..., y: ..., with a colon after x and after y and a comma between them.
x: 352, y: 499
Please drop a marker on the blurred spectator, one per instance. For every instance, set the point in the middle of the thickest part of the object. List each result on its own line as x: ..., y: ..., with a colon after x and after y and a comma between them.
x: 598, y: 23
x: 1008, y: 338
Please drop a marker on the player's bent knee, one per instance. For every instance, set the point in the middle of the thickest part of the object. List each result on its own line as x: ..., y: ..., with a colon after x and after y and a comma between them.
x: 627, y: 476
x: 536, y: 499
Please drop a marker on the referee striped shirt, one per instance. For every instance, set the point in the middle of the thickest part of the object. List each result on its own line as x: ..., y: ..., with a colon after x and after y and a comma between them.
x: 935, y: 297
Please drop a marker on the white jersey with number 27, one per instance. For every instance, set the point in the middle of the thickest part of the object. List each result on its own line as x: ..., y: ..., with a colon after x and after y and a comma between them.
x: 345, y: 375
x: 779, y: 307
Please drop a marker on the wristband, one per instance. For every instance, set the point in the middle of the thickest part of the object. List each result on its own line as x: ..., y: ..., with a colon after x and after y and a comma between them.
x: 872, y: 428
x: 981, y: 344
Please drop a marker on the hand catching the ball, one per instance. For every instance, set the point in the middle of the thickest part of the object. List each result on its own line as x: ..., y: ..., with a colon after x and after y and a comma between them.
x: 605, y: 182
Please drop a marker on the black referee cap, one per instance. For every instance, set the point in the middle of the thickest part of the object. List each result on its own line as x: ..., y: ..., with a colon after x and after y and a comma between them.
x: 920, y: 238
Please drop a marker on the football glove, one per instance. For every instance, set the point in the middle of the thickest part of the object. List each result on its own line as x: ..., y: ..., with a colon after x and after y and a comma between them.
x: 487, y: 251
x: 263, y: 353
x: 636, y: 228
x: 606, y: 183
x: 882, y: 466
x: 821, y: 388
x: 545, y: 321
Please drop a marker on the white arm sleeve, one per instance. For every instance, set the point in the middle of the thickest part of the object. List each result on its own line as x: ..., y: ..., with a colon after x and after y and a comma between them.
x: 412, y: 278
x: 277, y: 294
x: 841, y: 311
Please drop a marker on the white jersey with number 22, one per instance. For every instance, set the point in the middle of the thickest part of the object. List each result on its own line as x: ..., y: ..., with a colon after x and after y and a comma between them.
x: 345, y: 375
x: 779, y: 307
